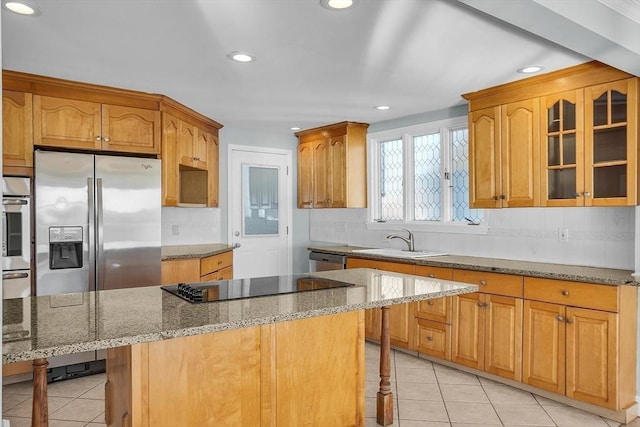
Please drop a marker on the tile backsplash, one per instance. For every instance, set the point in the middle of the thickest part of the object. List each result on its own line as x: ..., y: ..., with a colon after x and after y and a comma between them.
x: 188, y: 226
x: 600, y: 237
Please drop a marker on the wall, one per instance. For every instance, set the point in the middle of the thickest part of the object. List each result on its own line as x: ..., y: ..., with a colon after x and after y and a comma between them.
x: 602, y: 237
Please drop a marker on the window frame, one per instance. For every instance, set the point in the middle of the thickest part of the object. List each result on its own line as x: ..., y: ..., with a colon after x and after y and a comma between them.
x: 406, y: 134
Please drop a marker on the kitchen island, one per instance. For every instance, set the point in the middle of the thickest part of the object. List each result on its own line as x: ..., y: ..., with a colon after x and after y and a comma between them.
x: 290, y: 359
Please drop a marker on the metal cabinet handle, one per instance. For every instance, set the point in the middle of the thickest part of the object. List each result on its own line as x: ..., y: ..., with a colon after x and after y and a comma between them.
x: 432, y: 275
x: 495, y: 198
x: 10, y: 276
x: 483, y: 304
x: 565, y: 293
x: 98, y: 138
x: 502, y: 196
x: 429, y: 302
x: 587, y: 194
x: 560, y: 318
x: 482, y: 282
x: 107, y: 139
x: 429, y: 338
x: 569, y: 320
x: 578, y: 195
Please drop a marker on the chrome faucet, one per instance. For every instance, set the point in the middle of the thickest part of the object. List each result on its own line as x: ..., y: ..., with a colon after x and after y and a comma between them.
x: 408, y: 240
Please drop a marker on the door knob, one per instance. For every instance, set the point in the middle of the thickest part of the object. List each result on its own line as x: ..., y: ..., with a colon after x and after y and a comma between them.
x: 237, y: 233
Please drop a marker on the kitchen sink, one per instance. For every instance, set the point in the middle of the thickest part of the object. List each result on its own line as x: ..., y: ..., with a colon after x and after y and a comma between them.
x: 399, y: 253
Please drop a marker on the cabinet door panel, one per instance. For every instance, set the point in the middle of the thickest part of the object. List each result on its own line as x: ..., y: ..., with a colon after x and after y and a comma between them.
x: 592, y: 366
x: 520, y: 145
x: 338, y: 186
x: 544, y: 346
x: 213, y: 171
x: 484, y: 158
x: 201, y: 147
x: 17, y: 129
x: 305, y: 175
x: 186, y: 141
x: 321, y: 174
x: 66, y: 123
x: 170, y: 173
x: 467, y: 346
x: 503, y: 337
x: 132, y: 130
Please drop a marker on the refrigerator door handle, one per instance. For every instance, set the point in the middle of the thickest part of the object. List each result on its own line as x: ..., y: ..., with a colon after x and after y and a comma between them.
x: 100, y: 233
x: 92, y: 234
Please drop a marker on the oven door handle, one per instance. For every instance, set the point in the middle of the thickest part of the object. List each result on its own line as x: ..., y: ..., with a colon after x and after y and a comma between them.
x: 9, y: 276
x: 14, y: 202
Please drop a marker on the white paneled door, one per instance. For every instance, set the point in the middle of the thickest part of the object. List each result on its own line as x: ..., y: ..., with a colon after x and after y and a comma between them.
x: 260, y: 211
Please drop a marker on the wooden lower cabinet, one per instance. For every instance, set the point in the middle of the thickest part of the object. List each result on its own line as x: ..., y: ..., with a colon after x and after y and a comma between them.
x: 433, y: 338
x: 401, y: 317
x: 487, y: 334
x: 302, y: 372
x: 192, y: 270
x: 580, y: 340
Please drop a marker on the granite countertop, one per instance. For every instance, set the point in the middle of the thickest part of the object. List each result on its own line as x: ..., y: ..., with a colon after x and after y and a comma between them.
x: 194, y: 251
x: 72, y: 323
x: 604, y: 276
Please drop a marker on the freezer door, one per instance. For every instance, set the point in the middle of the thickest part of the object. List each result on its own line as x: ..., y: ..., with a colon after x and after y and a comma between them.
x: 128, y: 227
x: 62, y: 202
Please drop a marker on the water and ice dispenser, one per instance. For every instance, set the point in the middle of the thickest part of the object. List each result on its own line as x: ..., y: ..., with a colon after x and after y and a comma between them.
x: 65, y: 247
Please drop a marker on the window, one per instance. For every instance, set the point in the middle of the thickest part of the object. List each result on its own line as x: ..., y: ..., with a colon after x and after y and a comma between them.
x: 421, y: 175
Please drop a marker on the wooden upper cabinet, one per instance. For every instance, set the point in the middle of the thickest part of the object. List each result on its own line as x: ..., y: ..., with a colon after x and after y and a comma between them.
x: 70, y: 123
x: 193, y: 145
x: 305, y: 174
x: 17, y: 132
x: 213, y: 160
x: 332, y: 163
x: 170, y: 174
x: 131, y: 130
x: 67, y: 123
x: 565, y: 138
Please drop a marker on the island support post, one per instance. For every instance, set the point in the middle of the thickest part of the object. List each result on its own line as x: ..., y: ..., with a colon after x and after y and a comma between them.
x: 39, y: 408
x: 384, y: 402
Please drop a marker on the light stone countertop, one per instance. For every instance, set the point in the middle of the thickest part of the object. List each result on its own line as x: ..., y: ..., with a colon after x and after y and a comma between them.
x: 575, y: 273
x: 194, y: 251
x: 72, y: 323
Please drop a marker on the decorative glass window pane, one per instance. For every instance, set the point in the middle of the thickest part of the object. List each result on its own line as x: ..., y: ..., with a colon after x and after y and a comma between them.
x: 260, y: 200
x: 553, y: 150
x: 427, y: 173
x: 618, y: 107
x: 460, y: 178
x: 600, y: 110
x: 553, y: 115
x: 610, y: 181
x: 391, y: 180
x: 610, y: 144
x: 562, y: 183
x: 569, y: 115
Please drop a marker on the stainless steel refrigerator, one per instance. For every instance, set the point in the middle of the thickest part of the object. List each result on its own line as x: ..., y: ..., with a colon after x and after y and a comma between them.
x: 97, y: 224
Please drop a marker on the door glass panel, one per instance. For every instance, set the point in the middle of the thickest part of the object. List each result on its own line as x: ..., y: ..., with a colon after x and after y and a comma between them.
x: 569, y: 149
x: 554, y: 118
x: 600, y: 110
x: 259, y: 200
x: 610, y: 144
x: 562, y: 183
x: 568, y: 115
x: 618, y: 107
x: 610, y: 181
x: 554, y: 150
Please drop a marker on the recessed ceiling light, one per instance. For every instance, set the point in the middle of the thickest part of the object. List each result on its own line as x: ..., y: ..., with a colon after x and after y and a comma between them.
x: 382, y: 107
x: 338, y: 4
x: 530, y: 69
x: 241, y: 57
x: 21, y: 8
x: 295, y: 128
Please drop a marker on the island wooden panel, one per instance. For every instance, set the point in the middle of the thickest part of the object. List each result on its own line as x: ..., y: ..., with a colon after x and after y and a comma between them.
x: 302, y: 372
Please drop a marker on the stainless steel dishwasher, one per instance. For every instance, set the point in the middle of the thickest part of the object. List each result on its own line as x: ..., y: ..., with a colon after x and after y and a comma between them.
x: 323, y: 262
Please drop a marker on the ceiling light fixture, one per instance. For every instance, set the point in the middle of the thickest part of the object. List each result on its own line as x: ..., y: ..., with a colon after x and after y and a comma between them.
x: 20, y: 8
x: 530, y: 69
x: 241, y: 56
x: 382, y: 107
x: 338, y: 4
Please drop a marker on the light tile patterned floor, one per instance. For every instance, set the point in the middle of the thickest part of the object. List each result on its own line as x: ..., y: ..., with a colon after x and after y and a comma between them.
x: 425, y: 395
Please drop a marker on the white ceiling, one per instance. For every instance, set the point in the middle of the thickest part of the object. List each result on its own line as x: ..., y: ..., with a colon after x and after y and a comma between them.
x: 314, y: 66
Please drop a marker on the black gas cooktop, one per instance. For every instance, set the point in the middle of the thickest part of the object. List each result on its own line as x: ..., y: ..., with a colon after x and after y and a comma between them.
x: 226, y: 290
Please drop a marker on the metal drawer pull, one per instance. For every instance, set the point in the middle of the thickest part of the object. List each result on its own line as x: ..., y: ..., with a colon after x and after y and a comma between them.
x: 429, y: 338
x: 569, y: 320
x: 560, y: 318
x: 565, y: 293
x: 483, y: 282
x: 483, y: 304
x: 431, y: 275
x: 429, y: 302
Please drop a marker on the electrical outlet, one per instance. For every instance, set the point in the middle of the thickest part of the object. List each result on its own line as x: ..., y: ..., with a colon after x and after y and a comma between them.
x: 563, y: 235
x: 175, y: 230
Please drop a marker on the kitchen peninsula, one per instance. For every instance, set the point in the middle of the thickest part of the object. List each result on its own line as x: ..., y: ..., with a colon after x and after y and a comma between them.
x: 291, y: 359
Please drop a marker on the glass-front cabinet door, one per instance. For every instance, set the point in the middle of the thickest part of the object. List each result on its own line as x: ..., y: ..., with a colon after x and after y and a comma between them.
x: 611, y: 121
x: 562, y: 154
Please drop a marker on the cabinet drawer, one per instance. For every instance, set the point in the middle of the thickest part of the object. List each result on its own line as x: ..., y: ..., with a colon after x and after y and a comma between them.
x: 223, y: 274
x: 215, y: 263
x: 491, y: 283
x: 576, y: 294
x: 436, y: 309
x: 433, y: 338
